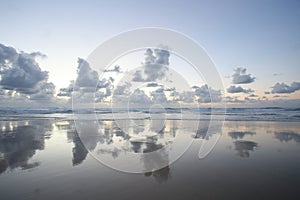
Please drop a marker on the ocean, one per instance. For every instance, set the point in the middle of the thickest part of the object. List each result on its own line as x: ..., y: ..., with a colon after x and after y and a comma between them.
x: 231, y: 114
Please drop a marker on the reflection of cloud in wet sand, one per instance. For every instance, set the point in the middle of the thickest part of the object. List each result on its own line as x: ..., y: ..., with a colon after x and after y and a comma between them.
x: 155, y: 159
x: 240, y: 134
x: 201, y: 133
x: 243, y: 148
x: 287, y: 136
x: 161, y: 175
x: 18, y: 143
x: 79, y: 151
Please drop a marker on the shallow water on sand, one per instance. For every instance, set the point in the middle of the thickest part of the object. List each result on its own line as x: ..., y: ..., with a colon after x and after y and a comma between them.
x: 45, y: 159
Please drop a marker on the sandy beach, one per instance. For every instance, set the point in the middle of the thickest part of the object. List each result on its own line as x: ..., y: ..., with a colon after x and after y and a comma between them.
x: 43, y: 158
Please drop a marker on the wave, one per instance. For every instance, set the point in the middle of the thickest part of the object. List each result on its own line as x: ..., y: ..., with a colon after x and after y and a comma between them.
x: 236, y: 114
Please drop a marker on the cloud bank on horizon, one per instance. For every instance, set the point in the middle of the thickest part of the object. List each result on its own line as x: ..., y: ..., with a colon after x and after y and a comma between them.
x: 22, y: 79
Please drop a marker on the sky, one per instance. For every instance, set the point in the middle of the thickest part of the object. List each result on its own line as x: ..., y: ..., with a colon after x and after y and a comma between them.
x: 257, y: 41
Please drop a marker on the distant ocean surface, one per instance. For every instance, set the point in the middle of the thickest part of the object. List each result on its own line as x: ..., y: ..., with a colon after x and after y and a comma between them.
x: 232, y: 114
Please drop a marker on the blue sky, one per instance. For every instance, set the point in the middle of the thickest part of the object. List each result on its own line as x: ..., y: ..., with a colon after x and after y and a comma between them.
x: 262, y: 36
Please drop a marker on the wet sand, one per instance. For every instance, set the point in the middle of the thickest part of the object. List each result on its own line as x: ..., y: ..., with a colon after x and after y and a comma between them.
x: 45, y: 159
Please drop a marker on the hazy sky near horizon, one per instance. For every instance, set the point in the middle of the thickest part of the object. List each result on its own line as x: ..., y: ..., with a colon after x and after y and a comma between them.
x: 261, y: 36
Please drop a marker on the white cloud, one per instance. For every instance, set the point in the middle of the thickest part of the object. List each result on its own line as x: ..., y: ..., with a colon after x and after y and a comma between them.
x: 122, y: 89
x: 116, y: 69
x: 158, y: 96
x: 139, y: 97
x: 152, y: 84
x: 240, y: 76
x: 207, y: 94
x: 282, y: 88
x: 154, y: 66
x: 66, y: 92
x: 238, y: 89
x: 86, y: 76
x: 186, y: 96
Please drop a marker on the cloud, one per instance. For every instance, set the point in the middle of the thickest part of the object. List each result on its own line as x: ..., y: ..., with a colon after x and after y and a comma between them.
x: 105, y: 83
x: 66, y: 92
x: 86, y: 76
x: 280, y: 96
x: 154, y: 72
x: 160, y: 57
x: 46, y: 92
x: 87, y: 84
x: 138, y: 77
x: 230, y: 99
x: 152, y: 85
x: 21, y: 76
x: 203, y: 94
x: 206, y: 94
x: 185, y: 96
x: 238, y: 89
x: 170, y: 89
x: 104, y: 89
x: 149, y: 57
x: 116, y: 69
x: 139, y: 97
x: 282, y: 88
x: 100, y: 95
x: 253, y: 95
x: 122, y: 89
x: 154, y: 66
x: 20, y: 71
x: 240, y: 76
x: 158, y: 96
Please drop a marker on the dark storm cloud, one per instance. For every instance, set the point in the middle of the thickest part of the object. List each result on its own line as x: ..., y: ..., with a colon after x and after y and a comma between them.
x: 20, y: 71
x: 282, y: 88
x: 46, y: 92
x: 238, y: 89
x: 240, y: 76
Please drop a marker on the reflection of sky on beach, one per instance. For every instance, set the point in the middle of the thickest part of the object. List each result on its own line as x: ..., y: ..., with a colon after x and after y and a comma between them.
x: 256, y: 155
